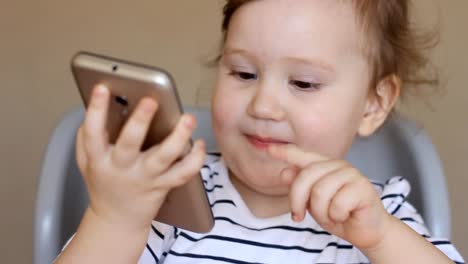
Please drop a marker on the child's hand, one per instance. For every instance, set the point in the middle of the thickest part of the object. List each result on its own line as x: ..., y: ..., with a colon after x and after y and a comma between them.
x: 126, y: 186
x: 338, y: 196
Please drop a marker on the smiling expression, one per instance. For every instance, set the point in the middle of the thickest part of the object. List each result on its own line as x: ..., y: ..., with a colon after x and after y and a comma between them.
x: 291, y: 72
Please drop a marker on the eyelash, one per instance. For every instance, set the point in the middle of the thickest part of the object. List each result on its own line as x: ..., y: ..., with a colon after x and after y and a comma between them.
x: 301, y: 85
x: 309, y: 85
x: 243, y: 76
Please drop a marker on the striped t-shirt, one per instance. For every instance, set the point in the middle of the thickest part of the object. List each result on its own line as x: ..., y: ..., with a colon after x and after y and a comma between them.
x: 240, y: 237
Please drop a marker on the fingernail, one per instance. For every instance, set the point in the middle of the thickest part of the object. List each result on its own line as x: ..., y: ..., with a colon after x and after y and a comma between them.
x: 188, y: 122
x: 295, y: 217
x: 201, y: 144
x: 148, y: 106
x: 100, y: 90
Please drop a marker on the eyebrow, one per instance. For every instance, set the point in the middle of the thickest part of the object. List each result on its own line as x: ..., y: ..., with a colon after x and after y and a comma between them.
x: 230, y: 51
x: 311, y: 61
x: 298, y: 60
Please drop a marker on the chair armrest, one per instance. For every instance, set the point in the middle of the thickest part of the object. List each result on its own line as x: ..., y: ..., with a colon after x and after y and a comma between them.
x: 50, y: 191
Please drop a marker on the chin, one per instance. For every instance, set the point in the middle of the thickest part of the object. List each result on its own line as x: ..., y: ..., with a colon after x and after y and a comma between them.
x: 260, y: 178
x: 253, y: 167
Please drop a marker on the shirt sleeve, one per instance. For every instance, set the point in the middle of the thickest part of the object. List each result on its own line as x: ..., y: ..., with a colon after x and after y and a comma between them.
x: 394, y: 196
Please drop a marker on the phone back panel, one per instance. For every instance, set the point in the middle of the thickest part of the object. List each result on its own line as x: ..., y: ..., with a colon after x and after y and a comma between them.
x: 186, y: 207
x: 128, y: 83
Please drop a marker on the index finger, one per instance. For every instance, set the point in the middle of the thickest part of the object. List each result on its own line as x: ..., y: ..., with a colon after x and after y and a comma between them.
x: 294, y: 155
x: 95, y: 121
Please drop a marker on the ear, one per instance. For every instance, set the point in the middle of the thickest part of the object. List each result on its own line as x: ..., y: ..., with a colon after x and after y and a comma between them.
x: 379, y: 104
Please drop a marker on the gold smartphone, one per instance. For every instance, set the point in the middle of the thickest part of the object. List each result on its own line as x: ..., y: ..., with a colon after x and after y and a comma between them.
x: 187, y: 206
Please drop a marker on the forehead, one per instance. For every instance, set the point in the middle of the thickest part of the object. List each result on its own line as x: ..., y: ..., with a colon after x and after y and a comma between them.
x: 297, y: 28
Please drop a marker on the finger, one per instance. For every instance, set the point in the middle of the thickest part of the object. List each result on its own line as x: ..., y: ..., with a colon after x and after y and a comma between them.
x: 323, y: 192
x: 344, y: 203
x: 94, y: 127
x: 80, y: 153
x: 301, y: 187
x: 160, y: 157
x: 185, y: 169
x: 294, y: 155
x: 348, y: 199
x: 288, y: 175
x: 133, y: 134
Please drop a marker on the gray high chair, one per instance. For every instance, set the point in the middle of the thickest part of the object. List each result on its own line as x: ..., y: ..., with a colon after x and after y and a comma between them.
x: 399, y: 148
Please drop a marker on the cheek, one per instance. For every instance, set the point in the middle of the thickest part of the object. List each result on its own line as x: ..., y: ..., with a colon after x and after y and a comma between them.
x: 218, y: 110
x: 326, y: 130
x: 225, y: 107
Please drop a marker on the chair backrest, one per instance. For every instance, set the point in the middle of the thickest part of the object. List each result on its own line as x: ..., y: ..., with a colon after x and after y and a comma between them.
x: 398, y: 148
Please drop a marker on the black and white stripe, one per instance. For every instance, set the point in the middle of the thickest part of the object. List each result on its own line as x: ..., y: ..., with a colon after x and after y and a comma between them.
x: 239, y: 237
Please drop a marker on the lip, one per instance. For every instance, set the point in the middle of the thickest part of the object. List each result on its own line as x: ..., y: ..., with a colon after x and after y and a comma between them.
x: 263, y: 143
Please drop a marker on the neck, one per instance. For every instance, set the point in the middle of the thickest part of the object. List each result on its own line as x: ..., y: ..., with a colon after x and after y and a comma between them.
x: 260, y: 204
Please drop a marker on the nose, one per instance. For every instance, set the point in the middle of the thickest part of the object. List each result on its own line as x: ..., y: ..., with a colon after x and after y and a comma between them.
x: 265, y: 104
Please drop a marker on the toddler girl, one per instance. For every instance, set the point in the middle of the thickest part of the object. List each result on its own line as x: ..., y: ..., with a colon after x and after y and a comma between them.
x: 297, y: 81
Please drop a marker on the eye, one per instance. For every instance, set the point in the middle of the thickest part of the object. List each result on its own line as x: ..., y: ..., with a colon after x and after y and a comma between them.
x: 245, y: 76
x: 303, y: 85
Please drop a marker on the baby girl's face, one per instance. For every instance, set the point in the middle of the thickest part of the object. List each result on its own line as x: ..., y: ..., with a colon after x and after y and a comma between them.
x: 291, y: 72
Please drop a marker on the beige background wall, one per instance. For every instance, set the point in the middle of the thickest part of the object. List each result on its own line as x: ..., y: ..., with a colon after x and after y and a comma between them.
x: 37, y: 39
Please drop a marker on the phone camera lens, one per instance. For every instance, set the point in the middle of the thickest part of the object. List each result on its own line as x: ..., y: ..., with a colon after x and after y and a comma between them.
x: 115, y: 68
x: 121, y: 100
